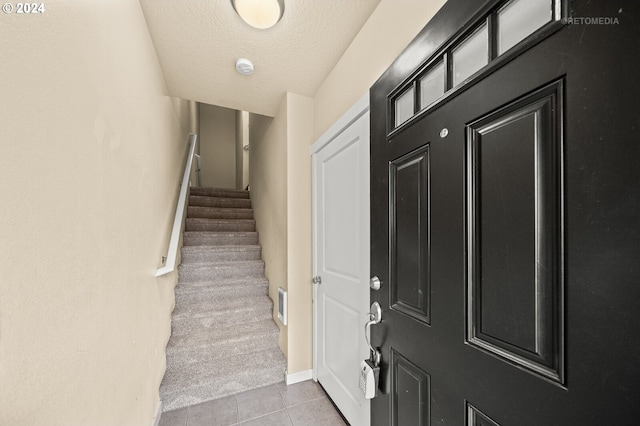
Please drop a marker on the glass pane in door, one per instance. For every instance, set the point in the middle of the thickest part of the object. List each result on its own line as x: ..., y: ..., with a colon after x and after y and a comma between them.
x: 520, y: 18
x: 404, y: 106
x: 432, y: 85
x: 471, y: 55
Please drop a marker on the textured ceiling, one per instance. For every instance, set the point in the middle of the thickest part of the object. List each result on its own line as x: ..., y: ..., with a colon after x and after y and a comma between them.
x: 198, y: 42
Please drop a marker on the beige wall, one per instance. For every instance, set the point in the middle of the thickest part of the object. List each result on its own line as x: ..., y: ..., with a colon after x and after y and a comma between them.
x: 388, y: 31
x: 281, y: 197
x: 194, y: 113
x: 194, y: 127
x: 218, y: 146
x: 299, y: 139
x: 268, y: 180
x: 90, y: 160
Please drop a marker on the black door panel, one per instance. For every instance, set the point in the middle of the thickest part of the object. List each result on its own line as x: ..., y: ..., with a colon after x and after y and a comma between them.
x: 506, y: 230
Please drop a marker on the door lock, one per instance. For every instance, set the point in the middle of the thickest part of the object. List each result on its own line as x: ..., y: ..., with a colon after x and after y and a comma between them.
x: 374, y: 283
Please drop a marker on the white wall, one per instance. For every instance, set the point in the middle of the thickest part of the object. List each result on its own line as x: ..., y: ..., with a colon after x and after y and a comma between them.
x: 91, y: 155
x: 218, y: 146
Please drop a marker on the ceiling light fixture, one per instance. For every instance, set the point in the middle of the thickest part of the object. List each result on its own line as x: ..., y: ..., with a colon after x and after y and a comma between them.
x: 260, y: 14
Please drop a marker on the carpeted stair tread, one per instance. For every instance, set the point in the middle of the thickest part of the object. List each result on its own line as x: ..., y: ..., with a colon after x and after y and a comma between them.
x: 253, y: 331
x: 220, y: 225
x: 257, y: 373
x: 198, y: 374
x: 218, y: 192
x: 206, y: 351
x: 219, y: 213
x: 215, y: 295
x: 199, y: 338
x: 213, y: 271
x: 220, y: 285
x: 201, y: 238
x: 204, y: 201
x: 211, y: 254
x: 205, y: 308
x: 262, y: 311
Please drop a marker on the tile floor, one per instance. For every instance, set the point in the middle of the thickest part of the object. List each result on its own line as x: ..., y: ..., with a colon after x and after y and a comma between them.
x: 301, y: 404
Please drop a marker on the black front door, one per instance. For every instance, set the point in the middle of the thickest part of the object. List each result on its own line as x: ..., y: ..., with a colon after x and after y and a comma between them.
x: 506, y: 223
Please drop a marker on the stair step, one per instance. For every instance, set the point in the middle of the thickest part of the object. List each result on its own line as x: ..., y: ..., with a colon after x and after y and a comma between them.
x: 203, y: 201
x: 216, y: 271
x: 220, y: 225
x: 229, y: 306
x: 260, y: 309
x: 220, y: 285
x: 223, y: 336
x: 203, y: 351
x: 221, y: 293
x: 200, y: 382
x: 210, y: 254
x: 198, y: 238
x: 219, y: 213
x: 202, y: 337
x: 218, y: 192
x: 207, y: 372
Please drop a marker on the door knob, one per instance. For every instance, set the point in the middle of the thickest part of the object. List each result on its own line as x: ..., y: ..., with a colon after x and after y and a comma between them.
x: 374, y: 283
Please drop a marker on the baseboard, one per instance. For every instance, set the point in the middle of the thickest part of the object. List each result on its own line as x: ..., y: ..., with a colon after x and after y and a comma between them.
x: 156, y: 419
x: 300, y: 376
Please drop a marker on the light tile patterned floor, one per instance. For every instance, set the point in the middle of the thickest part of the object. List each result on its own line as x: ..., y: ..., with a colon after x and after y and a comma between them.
x: 301, y: 404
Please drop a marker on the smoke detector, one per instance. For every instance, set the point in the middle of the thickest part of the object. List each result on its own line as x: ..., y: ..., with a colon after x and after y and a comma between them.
x: 244, y: 66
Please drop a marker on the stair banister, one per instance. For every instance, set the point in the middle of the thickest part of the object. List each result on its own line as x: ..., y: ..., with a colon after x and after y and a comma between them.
x: 172, y: 252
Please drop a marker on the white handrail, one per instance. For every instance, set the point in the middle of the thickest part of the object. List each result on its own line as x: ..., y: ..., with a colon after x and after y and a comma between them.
x: 172, y: 252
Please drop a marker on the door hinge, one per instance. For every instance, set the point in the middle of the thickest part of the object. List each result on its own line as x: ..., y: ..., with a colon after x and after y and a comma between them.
x: 317, y: 279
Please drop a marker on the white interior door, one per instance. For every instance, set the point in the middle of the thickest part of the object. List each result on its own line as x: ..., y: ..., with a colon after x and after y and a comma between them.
x: 341, y: 259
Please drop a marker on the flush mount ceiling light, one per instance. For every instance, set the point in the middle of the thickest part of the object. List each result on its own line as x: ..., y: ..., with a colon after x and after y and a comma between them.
x: 259, y: 13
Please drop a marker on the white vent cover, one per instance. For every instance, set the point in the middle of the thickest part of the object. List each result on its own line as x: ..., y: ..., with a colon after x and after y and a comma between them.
x: 282, y: 305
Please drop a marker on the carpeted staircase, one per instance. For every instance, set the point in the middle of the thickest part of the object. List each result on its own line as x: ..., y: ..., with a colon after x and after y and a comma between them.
x: 223, y: 337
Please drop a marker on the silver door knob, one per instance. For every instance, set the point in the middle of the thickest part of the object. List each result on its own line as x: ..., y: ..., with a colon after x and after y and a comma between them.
x: 374, y: 283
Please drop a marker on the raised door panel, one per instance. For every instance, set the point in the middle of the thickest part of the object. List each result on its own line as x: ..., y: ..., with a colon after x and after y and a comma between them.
x: 410, y: 393
x: 515, y: 289
x: 339, y: 353
x: 476, y: 417
x: 342, y: 211
x: 409, y: 236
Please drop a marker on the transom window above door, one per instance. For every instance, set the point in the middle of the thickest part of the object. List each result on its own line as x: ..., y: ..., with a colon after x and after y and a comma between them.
x: 496, y: 34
